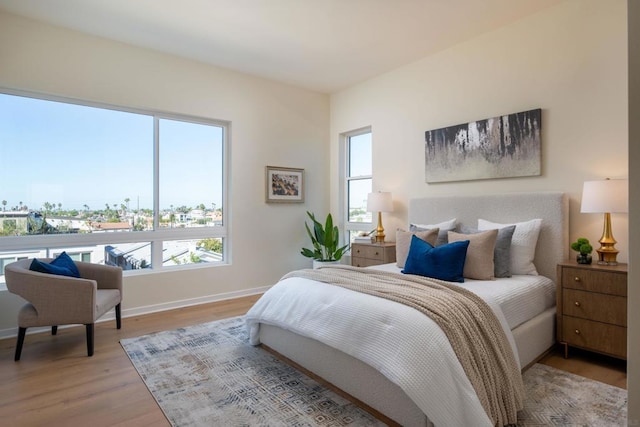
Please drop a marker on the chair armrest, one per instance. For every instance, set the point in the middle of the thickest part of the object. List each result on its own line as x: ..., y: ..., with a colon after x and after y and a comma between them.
x: 106, y: 276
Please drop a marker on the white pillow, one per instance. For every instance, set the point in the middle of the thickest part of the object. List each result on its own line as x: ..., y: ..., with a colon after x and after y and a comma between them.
x: 523, y: 244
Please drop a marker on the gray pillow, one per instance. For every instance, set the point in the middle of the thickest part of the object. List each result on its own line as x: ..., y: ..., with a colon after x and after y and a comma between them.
x: 502, y: 252
x: 443, y: 237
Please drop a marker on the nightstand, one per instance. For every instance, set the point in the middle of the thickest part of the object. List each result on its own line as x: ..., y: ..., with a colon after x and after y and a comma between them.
x: 366, y: 254
x: 592, y: 308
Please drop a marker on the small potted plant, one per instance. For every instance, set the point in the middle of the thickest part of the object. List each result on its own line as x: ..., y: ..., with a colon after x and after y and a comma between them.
x: 584, y: 249
x: 325, y: 240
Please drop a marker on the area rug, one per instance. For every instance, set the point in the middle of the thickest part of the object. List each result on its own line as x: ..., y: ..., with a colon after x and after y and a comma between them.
x: 209, y: 375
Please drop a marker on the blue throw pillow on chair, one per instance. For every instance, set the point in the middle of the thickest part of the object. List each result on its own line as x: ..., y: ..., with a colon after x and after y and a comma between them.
x: 444, y: 262
x: 63, y: 265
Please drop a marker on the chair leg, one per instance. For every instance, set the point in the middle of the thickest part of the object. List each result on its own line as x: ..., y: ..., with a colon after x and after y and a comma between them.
x: 54, y: 330
x: 21, y: 334
x: 89, y: 339
x: 118, y: 317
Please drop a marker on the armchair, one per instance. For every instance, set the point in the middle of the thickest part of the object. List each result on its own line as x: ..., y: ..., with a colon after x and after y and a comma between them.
x: 54, y: 300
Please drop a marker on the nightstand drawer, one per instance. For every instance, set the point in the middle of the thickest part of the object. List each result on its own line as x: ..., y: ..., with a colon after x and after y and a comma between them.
x: 363, y: 262
x: 595, y: 281
x: 598, y: 307
x: 366, y: 254
x: 609, y: 339
x: 368, y: 251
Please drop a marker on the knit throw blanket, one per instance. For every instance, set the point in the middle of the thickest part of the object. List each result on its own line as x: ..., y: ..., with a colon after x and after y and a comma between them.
x: 474, y: 331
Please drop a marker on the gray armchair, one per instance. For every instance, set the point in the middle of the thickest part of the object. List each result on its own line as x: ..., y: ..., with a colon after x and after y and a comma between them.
x: 54, y: 300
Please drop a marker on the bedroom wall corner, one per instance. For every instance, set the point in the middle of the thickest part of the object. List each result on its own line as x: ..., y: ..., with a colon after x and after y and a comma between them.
x: 633, y: 337
x: 570, y: 60
x: 272, y: 124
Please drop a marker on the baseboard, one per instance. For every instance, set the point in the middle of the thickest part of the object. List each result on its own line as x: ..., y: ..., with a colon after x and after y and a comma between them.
x: 148, y: 309
x: 172, y: 305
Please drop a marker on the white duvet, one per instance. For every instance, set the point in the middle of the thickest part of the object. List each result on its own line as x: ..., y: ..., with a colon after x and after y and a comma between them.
x: 403, y: 344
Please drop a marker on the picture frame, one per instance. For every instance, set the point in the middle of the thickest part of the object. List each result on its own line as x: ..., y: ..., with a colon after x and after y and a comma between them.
x: 284, y: 185
x: 506, y: 146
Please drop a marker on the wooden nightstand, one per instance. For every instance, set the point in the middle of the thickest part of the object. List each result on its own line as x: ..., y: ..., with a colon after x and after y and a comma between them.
x: 366, y: 254
x: 592, y: 308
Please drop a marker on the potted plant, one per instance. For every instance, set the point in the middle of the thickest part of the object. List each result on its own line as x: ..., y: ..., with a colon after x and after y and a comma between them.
x: 325, y: 240
x: 584, y: 249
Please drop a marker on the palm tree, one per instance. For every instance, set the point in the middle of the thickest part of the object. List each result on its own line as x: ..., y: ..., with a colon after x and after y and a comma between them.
x: 4, y: 205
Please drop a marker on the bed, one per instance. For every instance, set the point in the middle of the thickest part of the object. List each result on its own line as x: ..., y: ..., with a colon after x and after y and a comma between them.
x: 305, y: 327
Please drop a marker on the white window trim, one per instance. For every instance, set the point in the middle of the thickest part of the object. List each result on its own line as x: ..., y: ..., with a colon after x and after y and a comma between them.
x: 158, y: 235
x: 344, y: 160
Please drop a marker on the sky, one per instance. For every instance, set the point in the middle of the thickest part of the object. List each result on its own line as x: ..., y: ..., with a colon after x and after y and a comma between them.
x: 77, y: 155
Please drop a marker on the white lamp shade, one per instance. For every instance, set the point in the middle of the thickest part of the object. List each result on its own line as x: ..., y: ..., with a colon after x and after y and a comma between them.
x: 379, y: 202
x: 610, y: 195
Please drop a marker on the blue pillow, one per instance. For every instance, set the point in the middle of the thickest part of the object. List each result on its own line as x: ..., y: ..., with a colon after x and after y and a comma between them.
x: 63, y: 265
x: 444, y: 262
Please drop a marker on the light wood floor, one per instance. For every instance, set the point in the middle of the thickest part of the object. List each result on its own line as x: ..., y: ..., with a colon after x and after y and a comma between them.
x: 56, y: 384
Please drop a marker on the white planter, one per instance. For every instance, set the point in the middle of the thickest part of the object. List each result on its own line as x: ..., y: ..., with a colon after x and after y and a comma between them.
x: 318, y: 264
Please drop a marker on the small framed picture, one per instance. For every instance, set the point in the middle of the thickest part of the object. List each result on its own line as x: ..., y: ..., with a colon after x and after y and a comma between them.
x: 284, y: 185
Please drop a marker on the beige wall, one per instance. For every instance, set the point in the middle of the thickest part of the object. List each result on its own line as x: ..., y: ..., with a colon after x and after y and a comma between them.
x: 271, y: 124
x: 570, y: 60
x: 633, y: 364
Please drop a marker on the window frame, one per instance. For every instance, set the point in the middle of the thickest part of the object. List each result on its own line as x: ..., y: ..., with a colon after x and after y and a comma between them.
x: 52, y: 242
x: 346, y: 178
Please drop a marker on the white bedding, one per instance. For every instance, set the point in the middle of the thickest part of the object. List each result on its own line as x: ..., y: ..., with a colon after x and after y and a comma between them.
x: 520, y: 297
x: 403, y: 344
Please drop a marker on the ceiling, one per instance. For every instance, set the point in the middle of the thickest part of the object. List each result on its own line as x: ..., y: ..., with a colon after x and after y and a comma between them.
x: 322, y: 45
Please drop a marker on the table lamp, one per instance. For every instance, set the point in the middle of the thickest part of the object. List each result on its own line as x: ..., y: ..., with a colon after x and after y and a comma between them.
x: 606, y: 196
x: 379, y: 202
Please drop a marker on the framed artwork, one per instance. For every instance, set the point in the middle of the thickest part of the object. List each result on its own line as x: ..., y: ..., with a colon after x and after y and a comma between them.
x: 500, y: 147
x: 284, y: 185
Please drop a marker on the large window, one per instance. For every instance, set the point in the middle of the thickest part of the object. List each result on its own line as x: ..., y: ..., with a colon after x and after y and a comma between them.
x: 358, y: 182
x: 137, y: 189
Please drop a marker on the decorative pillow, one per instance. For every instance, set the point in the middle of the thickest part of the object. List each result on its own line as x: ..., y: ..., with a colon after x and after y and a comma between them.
x: 63, y: 265
x: 444, y: 262
x: 502, y: 253
x: 403, y: 241
x: 479, y: 262
x: 523, y: 243
x: 444, y: 226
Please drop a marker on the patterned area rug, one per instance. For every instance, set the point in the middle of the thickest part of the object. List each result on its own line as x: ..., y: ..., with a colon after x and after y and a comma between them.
x: 209, y: 375
x: 559, y: 398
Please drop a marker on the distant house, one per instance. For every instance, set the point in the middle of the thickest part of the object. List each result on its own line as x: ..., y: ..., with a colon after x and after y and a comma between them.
x: 97, y: 227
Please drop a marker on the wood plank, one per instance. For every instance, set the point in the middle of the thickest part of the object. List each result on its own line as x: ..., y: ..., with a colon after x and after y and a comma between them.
x: 56, y: 384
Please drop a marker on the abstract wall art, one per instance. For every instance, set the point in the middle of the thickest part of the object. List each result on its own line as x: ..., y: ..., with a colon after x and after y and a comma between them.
x: 500, y: 147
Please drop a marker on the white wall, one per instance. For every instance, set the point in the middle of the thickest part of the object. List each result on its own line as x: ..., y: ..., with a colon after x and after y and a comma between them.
x: 570, y: 60
x: 633, y: 364
x: 271, y: 124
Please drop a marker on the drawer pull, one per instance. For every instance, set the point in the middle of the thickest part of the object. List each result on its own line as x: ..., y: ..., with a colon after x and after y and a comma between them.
x: 577, y: 331
x: 377, y: 253
x: 576, y: 279
x: 577, y: 303
x: 358, y: 251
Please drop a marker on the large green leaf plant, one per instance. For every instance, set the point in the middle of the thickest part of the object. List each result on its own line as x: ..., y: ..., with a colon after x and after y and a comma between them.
x: 325, y: 240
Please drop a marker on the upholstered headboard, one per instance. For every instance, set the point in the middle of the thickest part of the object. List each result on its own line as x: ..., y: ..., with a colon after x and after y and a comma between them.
x: 551, y: 207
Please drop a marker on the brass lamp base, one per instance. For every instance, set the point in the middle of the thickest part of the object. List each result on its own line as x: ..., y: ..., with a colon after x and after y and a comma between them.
x: 607, y: 257
x: 607, y: 253
x: 380, y: 230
